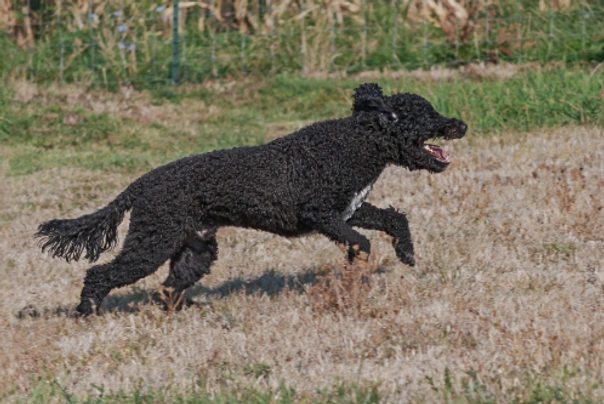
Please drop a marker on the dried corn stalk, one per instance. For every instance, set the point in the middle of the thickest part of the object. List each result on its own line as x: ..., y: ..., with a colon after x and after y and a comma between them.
x: 454, y: 17
x: 555, y: 5
x: 7, y: 17
x: 168, y: 13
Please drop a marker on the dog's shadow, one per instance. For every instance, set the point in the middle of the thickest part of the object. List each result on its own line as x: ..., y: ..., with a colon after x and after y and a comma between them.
x: 270, y: 283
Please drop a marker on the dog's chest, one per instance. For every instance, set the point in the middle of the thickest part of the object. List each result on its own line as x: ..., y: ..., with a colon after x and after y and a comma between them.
x: 357, y: 201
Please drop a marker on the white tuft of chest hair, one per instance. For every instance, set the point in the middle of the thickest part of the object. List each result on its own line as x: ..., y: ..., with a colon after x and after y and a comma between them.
x: 357, y: 201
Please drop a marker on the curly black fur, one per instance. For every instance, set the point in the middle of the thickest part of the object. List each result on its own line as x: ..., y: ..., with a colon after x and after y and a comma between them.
x: 95, y: 233
x: 314, y: 180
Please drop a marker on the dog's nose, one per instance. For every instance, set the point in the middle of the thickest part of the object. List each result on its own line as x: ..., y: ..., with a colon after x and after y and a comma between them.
x: 463, y: 127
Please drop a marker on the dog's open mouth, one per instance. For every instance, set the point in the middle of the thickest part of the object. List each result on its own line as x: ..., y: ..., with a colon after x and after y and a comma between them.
x: 436, y: 152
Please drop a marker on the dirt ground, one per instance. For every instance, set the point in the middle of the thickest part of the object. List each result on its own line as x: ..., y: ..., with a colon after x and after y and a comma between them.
x: 507, y: 292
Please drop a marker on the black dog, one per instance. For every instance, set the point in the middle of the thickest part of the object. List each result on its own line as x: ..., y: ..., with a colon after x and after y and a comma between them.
x: 314, y: 180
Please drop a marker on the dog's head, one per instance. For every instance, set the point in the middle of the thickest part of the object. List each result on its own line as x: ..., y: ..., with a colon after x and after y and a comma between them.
x: 406, y: 122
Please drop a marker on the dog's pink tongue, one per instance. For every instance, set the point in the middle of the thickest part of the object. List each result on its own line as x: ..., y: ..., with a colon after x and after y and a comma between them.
x: 437, y: 152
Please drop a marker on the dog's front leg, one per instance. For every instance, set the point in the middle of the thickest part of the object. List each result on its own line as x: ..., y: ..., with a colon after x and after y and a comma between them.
x: 336, y: 229
x: 392, y: 223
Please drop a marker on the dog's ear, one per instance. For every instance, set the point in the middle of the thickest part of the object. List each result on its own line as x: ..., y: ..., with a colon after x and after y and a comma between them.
x: 368, y: 97
x: 367, y: 90
x: 371, y: 107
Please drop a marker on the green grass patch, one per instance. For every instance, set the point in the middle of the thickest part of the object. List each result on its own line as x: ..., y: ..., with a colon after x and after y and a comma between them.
x: 52, y: 391
x: 471, y: 389
x: 42, y: 134
x: 467, y: 389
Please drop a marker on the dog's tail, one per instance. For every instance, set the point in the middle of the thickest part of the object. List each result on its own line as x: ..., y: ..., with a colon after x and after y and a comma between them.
x: 89, y: 234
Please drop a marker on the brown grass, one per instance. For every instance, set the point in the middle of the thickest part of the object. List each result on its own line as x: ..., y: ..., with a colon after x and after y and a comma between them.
x: 507, y: 292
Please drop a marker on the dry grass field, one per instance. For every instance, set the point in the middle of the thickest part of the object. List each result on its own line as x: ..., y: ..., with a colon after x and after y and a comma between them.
x: 506, y: 303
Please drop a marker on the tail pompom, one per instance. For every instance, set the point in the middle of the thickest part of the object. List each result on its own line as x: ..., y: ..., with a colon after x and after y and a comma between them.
x: 89, y: 235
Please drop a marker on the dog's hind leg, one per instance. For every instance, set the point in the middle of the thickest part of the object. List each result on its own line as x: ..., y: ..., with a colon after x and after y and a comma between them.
x: 147, y: 246
x: 189, y: 265
x: 392, y: 223
x: 128, y: 267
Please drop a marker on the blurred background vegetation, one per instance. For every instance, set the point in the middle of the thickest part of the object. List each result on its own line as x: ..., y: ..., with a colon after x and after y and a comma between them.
x: 111, y: 43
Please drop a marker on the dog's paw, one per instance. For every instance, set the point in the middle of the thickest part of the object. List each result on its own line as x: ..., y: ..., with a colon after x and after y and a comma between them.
x: 360, y: 258
x: 406, y: 258
x: 359, y: 251
x: 356, y: 252
x: 404, y: 252
x: 85, y: 308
